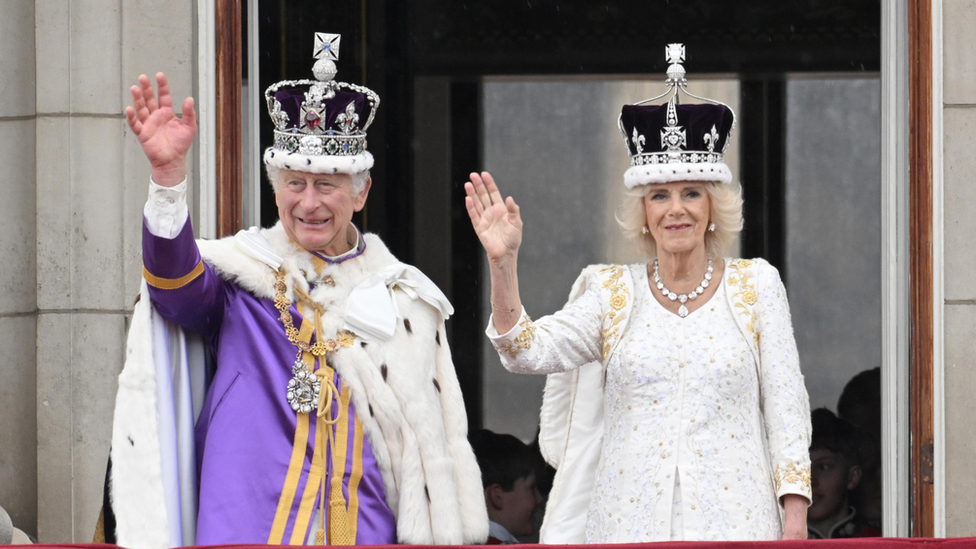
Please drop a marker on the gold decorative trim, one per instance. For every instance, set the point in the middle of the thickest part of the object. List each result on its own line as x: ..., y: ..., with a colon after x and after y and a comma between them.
x: 792, y: 473
x: 341, y: 532
x: 172, y: 283
x: 523, y: 341
x: 343, y: 339
x: 619, y: 293
x: 283, y: 510
x: 744, y: 293
x: 299, y: 532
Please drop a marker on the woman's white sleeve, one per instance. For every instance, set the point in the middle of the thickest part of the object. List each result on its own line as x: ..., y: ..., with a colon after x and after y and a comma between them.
x: 562, y: 341
x: 785, y: 403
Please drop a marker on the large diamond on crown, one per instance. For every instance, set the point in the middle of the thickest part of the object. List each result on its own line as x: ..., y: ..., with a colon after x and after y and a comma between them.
x: 673, y: 138
x: 311, y: 145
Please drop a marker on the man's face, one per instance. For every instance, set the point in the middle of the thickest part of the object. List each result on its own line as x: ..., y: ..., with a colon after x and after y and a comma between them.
x: 316, y: 209
x: 513, y: 509
x: 832, y: 477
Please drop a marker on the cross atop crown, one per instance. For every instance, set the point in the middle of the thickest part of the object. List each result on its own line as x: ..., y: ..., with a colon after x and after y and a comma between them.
x: 675, y: 54
x: 326, y: 46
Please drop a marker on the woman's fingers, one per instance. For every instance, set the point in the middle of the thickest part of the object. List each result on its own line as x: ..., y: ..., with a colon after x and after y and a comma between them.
x: 472, y: 194
x: 481, y: 190
x: 472, y: 211
x: 512, y: 207
x: 492, y: 188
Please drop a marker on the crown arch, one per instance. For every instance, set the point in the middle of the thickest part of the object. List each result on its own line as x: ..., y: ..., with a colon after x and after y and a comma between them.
x: 427, y: 144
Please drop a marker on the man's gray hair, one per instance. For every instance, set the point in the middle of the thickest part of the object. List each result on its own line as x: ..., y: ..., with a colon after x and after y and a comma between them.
x: 357, y: 180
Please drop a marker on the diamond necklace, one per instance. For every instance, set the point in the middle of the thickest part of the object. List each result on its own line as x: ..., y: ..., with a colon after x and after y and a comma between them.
x: 682, y: 311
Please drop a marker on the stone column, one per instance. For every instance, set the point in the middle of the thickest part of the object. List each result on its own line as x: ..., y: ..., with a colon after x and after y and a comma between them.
x: 18, y: 301
x: 959, y: 164
x: 91, y: 185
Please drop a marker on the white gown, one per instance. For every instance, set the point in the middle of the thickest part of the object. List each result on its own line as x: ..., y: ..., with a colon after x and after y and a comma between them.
x: 683, y: 454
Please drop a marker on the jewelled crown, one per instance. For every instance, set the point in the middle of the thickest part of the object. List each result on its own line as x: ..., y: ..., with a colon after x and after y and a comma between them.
x: 675, y: 142
x: 320, y: 125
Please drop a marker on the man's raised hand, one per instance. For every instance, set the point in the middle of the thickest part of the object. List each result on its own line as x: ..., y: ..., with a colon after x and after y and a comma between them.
x: 165, y: 139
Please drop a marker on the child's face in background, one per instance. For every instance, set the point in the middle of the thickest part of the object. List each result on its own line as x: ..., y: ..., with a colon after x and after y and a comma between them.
x: 517, y: 507
x: 831, y: 478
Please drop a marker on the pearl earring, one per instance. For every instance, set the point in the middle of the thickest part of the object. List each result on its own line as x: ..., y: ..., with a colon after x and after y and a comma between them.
x: 711, y: 227
x: 644, y: 230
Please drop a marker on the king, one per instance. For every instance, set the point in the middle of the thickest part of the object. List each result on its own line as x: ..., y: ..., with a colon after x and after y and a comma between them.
x: 330, y: 412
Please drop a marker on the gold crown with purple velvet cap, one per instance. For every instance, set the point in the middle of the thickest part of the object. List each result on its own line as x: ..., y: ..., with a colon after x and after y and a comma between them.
x: 675, y: 142
x: 320, y: 125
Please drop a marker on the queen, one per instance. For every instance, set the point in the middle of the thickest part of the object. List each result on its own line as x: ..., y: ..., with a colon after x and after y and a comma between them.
x: 675, y: 407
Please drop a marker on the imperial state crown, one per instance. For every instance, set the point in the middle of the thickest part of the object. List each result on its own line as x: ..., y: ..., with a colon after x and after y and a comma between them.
x: 320, y: 125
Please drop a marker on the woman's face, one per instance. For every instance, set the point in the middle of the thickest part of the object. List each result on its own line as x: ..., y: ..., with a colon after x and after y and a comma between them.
x: 678, y: 215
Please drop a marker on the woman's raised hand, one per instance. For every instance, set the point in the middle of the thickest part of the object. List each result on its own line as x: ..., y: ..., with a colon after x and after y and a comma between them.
x: 165, y: 139
x: 496, y: 220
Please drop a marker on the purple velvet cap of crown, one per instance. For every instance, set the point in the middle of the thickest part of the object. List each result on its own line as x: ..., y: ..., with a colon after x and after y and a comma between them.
x: 291, y: 100
x: 699, y: 158
x: 696, y: 120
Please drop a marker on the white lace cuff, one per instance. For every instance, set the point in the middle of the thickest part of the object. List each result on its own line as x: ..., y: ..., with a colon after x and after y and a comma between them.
x: 166, y: 211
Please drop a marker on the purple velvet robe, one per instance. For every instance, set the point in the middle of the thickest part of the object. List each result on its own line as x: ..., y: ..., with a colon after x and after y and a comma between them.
x: 246, y: 431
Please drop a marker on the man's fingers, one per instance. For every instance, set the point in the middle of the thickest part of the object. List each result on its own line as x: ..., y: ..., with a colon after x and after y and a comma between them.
x: 138, y: 103
x: 165, y: 99
x: 147, y: 93
x: 130, y: 117
x: 189, y: 114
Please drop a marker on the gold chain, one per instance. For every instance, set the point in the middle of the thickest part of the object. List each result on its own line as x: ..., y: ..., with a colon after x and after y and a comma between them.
x: 320, y: 348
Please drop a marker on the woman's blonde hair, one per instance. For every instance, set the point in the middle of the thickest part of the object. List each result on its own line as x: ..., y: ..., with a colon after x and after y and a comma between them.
x: 725, y: 211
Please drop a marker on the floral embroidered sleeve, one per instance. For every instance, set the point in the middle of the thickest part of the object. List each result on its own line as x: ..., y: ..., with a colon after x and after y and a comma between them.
x: 563, y: 341
x: 786, y: 405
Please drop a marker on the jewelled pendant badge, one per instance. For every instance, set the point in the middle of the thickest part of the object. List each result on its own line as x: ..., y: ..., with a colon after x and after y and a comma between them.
x: 304, y: 386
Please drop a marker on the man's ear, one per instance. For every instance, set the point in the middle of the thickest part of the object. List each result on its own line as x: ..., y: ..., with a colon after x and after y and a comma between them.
x: 361, y: 199
x: 494, y: 496
x: 854, y: 476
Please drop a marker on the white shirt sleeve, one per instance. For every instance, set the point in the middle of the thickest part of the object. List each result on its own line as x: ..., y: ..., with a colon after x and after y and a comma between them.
x: 166, y: 211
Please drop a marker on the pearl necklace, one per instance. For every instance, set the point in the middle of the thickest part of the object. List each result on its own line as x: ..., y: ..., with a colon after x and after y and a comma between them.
x: 683, y: 311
